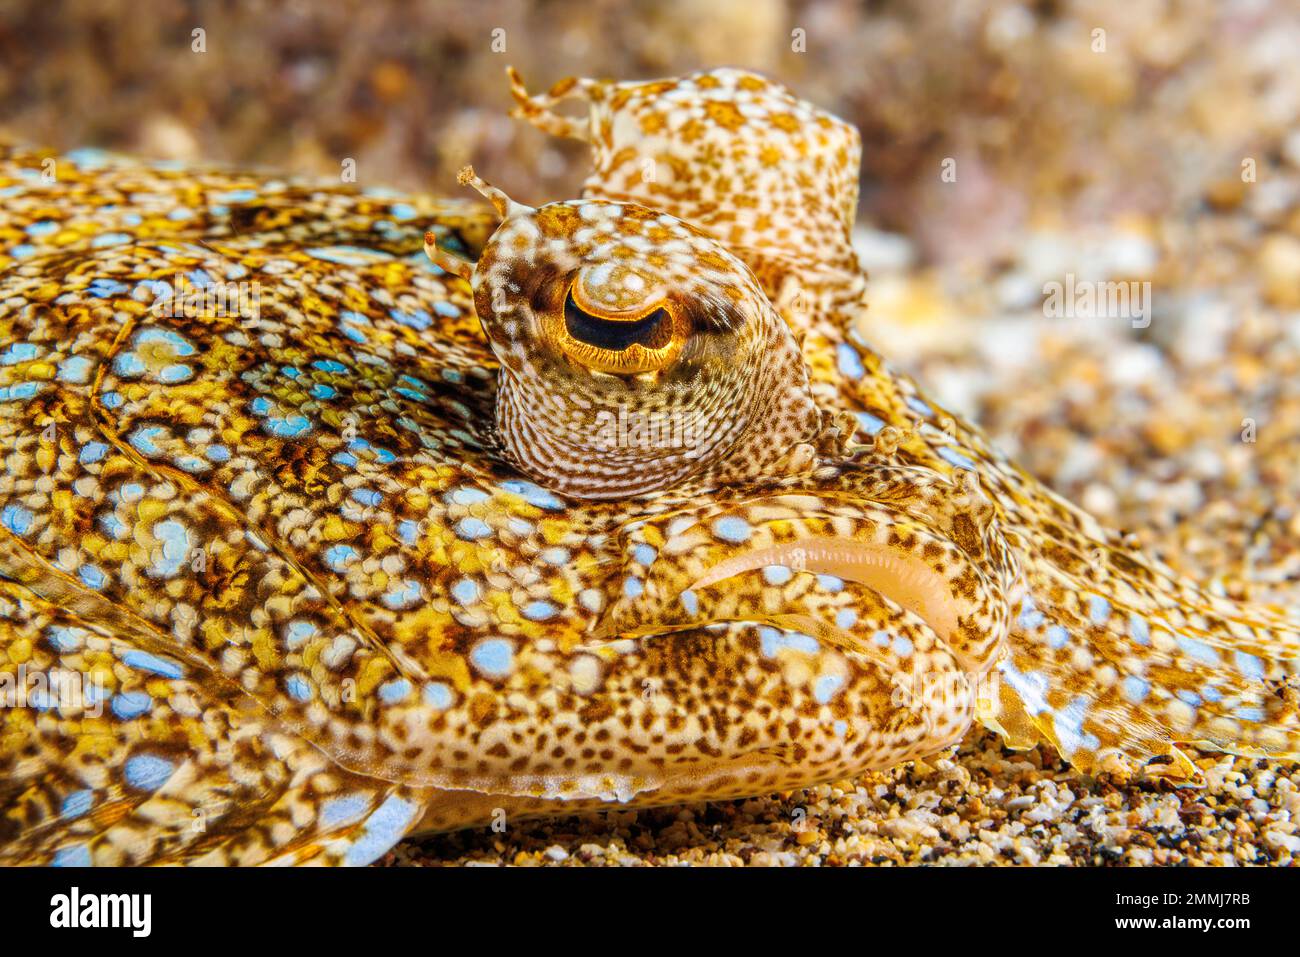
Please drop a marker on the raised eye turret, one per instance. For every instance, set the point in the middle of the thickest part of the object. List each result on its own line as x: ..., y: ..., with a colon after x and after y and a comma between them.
x: 636, y: 352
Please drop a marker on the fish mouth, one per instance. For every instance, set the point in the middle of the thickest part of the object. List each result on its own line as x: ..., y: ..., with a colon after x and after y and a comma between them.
x: 838, y: 569
x: 903, y: 579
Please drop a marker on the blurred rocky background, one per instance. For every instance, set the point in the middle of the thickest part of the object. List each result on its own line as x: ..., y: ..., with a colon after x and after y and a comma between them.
x: 1051, y: 124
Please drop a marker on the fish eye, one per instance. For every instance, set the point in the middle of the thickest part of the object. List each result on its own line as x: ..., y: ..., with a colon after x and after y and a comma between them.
x: 624, y: 343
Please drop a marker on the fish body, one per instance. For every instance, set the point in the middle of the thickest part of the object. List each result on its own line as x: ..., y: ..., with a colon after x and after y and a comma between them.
x: 309, y: 543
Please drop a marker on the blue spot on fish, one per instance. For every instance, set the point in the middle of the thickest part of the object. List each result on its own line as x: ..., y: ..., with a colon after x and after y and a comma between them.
x: 437, y: 695
x: 147, y: 772
x: 777, y: 574
x: 16, y: 518
x: 289, y: 427
x: 64, y: 638
x: 131, y: 704
x: 403, y: 595
x: 1068, y: 724
x: 92, y: 452
x: 337, y: 557
x: 384, y: 828
x: 824, y: 688
x: 1031, y: 687
x: 533, y: 494
x: 493, y: 657
x: 465, y: 591
x: 18, y: 352
x: 1250, y: 666
x: 468, y: 496
x: 1137, y: 627
x: 415, y: 319
x: 539, y: 611
x: 19, y: 391
x: 1136, y: 689
x: 471, y: 528
x: 849, y: 362
x: 92, y: 576
x: 175, y: 542
x: 395, y: 691
x: 344, y: 810
x: 644, y: 554
x: 367, y: 496
x: 954, y: 457
x: 153, y: 664
x: 75, y: 369
x: 78, y: 803
x: 72, y: 855
x: 919, y: 407
x: 1098, y: 609
x: 234, y: 196
x: 1195, y: 648
x: 165, y: 337
x: 113, y: 525
x: 297, y: 633
x: 298, y: 687
x: 731, y: 528
x: 145, y: 439
x: 773, y: 640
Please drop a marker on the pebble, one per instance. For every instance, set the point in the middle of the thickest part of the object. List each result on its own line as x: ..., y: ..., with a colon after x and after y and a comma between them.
x: 1279, y: 263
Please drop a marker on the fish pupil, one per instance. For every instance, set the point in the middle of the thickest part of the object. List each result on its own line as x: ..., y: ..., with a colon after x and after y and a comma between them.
x: 653, y: 331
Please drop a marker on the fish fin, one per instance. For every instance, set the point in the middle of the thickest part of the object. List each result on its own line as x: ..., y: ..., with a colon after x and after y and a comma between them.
x: 391, y: 815
x: 1116, y: 660
x: 113, y: 754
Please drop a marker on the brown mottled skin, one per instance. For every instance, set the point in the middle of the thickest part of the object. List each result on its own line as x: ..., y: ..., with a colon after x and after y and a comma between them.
x: 621, y: 511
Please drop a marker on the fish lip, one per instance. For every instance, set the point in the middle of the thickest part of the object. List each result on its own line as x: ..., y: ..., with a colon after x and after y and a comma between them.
x: 895, y: 536
x: 903, y: 579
